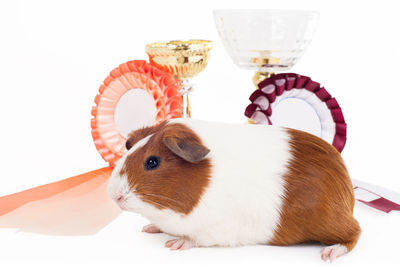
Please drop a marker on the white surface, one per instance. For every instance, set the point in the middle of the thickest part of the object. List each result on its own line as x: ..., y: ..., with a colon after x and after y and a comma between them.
x: 54, y: 55
x: 123, y: 244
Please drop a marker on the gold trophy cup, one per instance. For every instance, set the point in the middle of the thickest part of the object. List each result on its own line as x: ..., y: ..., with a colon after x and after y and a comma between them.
x: 184, y: 59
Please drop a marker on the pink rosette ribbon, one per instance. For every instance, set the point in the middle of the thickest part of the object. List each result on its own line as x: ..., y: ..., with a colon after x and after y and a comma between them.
x: 162, y: 86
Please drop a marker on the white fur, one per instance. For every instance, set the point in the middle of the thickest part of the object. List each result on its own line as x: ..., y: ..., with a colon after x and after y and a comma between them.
x: 241, y: 205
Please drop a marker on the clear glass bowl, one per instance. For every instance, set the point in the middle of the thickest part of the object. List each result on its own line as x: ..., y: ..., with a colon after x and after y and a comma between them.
x: 265, y: 40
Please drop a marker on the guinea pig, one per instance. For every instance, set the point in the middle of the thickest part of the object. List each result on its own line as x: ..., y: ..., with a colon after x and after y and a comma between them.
x: 217, y: 184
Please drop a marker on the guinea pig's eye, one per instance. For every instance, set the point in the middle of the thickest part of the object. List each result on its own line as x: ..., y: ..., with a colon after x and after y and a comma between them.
x: 152, y: 163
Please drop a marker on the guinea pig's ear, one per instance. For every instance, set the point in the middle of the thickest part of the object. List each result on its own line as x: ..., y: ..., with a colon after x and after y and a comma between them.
x: 189, y: 150
x: 128, y: 144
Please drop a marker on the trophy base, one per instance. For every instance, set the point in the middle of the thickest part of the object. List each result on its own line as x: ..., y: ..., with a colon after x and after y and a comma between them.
x: 260, y: 76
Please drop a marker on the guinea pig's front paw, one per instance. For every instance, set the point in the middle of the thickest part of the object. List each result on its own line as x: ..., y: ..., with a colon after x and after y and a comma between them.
x: 180, y: 244
x: 151, y: 229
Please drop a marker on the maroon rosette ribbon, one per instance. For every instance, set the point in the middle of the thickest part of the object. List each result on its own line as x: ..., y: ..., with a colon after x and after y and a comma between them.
x: 285, y: 85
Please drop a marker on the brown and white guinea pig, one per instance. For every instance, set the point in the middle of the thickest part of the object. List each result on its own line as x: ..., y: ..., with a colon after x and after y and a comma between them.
x: 216, y: 184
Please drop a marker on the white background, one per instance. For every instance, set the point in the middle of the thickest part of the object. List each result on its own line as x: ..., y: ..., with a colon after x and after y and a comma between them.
x: 55, y: 54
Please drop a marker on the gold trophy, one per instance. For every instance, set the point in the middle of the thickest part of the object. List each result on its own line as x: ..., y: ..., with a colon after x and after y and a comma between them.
x: 184, y: 59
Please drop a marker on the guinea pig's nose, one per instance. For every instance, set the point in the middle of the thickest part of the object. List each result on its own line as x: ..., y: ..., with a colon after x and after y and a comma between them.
x: 120, y: 198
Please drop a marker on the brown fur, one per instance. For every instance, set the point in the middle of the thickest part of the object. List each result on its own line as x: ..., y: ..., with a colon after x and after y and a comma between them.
x: 319, y: 200
x: 176, y: 184
x: 141, y: 133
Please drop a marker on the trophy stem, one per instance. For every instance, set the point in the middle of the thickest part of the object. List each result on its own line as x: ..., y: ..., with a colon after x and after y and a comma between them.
x: 186, y: 88
x: 260, y: 76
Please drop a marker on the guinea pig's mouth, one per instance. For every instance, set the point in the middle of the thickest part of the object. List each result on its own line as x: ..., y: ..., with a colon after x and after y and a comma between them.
x: 128, y: 202
x: 121, y: 202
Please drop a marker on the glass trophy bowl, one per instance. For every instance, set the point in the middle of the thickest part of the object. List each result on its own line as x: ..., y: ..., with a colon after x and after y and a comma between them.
x: 266, y: 41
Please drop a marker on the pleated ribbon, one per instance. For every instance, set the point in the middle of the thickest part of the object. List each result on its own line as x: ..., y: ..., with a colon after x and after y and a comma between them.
x: 290, y: 85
